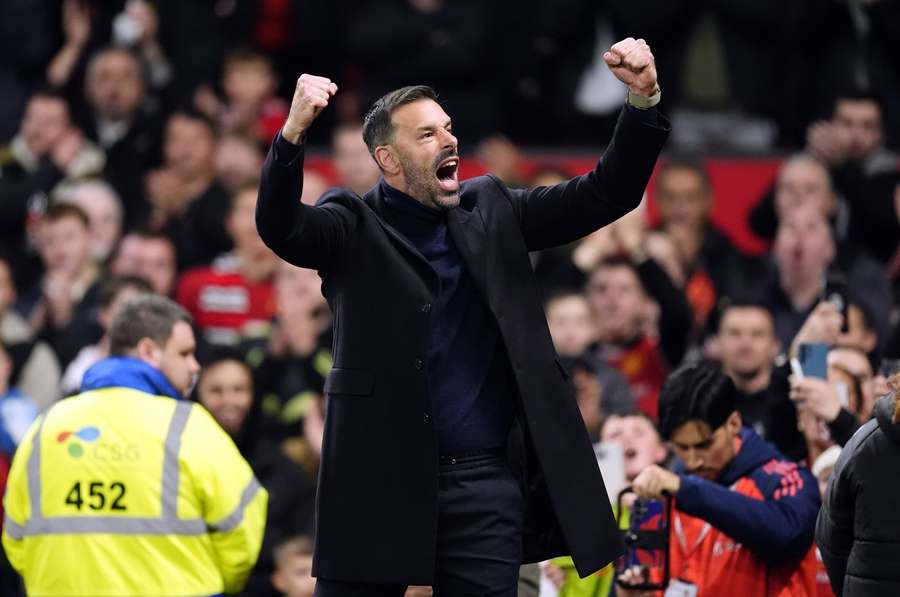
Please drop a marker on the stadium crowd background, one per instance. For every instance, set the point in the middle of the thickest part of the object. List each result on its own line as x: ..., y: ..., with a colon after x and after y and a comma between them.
x: 132, y: 135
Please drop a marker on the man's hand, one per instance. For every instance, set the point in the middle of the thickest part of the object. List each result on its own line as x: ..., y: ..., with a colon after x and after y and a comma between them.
x: 655, y: 482
x: 824, y: 142
x: 310, y: 98
x: 631, y: 61
x: 816, y: 395
x: 822, y: 326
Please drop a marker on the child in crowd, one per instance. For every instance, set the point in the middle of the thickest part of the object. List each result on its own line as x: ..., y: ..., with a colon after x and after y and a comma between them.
x: 293, y: 568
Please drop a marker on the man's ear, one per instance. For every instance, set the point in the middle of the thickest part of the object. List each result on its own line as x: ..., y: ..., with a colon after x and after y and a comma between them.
x: 734, y: 422
x: 387, y: 160
x: 148, y: 351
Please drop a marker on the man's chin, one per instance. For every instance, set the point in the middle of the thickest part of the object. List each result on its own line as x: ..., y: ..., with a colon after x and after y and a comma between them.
x: 446, y: 201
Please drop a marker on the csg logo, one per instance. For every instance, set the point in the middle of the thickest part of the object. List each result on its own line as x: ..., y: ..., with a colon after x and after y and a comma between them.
x: 87, y: 434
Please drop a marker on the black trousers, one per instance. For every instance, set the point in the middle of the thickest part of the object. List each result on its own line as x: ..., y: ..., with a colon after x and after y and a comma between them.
x: 479, y: 540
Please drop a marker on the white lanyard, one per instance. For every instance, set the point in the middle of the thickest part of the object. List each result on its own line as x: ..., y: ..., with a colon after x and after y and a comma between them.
x: 682, y: 540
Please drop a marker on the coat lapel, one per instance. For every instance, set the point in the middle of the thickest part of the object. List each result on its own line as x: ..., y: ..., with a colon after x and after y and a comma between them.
x: 468, y: 232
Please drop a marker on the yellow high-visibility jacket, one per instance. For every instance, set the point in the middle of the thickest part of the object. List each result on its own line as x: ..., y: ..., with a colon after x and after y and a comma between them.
x: 121, y: 492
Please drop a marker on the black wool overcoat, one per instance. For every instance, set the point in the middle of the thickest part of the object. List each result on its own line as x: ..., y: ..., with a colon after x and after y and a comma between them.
x: 377, y: 493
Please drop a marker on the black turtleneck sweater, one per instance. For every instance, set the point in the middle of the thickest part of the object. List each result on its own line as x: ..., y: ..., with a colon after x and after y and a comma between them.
x: 469, y: 377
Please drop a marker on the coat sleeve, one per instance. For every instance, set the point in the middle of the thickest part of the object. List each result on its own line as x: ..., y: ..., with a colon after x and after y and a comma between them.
x: 778, y: 528
x: 233, y: 502
x: 559, y: 214
x: 835, y: 525
x: 300, y: 234
x: 16, y: 502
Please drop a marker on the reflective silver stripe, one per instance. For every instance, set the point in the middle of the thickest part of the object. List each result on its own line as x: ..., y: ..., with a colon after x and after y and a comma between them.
x: 113, y: 525
x: 167, y: 524
x: 34, y: 471
x: 231, y: 521
x: 13, y: 528
x: 170, y: 470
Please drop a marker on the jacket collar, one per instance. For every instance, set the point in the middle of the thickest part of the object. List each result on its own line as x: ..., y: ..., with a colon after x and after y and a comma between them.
x: 464, y: 222
x: 127, y: 372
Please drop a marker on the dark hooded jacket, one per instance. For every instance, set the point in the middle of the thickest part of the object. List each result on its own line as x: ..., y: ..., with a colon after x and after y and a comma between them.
x: 858, y: 530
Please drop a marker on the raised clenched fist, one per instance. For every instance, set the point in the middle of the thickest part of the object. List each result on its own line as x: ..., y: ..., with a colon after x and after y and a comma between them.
x: 310, y: 98
x: 631, y: 61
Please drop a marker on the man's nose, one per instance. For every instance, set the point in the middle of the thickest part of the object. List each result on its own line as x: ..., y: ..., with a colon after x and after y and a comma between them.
x: 449, y: 140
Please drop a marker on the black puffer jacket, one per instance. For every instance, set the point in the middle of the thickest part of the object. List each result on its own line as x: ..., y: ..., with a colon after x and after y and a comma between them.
x: 858, y: 531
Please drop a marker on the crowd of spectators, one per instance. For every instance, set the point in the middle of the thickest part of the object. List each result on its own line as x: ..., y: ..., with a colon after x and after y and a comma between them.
x: 132, y: 134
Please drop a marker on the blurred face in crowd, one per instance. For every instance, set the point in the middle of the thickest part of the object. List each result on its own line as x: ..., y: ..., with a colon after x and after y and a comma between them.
x: 852, y: 370
x: 314, y: 186
x: 175, y: 360
x: 617, y: 297
x: 747, y: 341
x: 104, y: 210
x: 108, y: 314
x: 803, y: 182
x: 189, y: 147
x: 293, y: 576
x: 7, y: 287
x: 46, y: 121
x: 150, y: 258
x: 237, y: 161
x: 803, y: 246
x: 571, y: 324
x: 226, y: 390
x: 248, y: 81
x: 422, y: 157
x: 355, y: 167
x: 682, y: 198
x: 241, y: 222
x: 114, y: 85
x: 65, y: 245
x: 858, y: 126
x: 5, y: 369
x: 297, y: 288
x: 705, y: 452
x: 639, y: 439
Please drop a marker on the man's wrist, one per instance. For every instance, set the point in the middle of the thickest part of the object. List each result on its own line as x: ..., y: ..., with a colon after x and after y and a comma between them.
x: 293, y: 137
x: 643, y: 102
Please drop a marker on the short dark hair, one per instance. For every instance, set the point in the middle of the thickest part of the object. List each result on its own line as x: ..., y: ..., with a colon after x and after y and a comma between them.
x: 214, y: 354
x: 300, y: 545
x: 58, y: 210
x: 191, y: 113
x: 146, y: 316
x: 377, y: 126
x: 614, y: 261
x: 49, y: 92
x: 114, y: 285
x: 690, y: 164
x: 697, y: 392
x: 854, y: 93
x: 748, y: 301
x: 244, y: 54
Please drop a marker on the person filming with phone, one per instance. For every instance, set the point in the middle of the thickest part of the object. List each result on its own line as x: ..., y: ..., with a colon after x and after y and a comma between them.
x: 744, y: 514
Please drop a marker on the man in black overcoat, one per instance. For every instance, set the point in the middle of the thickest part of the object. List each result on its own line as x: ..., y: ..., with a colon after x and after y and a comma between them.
x: 454, y: 449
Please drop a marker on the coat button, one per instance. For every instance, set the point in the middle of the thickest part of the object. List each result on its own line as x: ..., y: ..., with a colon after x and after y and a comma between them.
x: 426, y: 418
x: 419, y: 364
x: 426, y: 308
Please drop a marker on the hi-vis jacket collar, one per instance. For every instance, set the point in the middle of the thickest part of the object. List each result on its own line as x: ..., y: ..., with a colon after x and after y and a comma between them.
x: 128, y: 372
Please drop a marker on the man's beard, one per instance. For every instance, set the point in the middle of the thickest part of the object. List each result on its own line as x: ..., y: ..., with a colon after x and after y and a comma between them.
x: 422, y: 184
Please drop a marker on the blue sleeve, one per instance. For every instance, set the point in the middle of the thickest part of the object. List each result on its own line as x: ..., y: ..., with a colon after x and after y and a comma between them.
x: 777, y: 529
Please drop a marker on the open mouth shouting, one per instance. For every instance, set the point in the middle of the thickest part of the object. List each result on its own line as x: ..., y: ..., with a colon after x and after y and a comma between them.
x: 447, y: 174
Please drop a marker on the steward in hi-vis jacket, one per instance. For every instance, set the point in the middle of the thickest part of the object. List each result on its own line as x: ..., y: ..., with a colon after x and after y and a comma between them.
x: 126, y: 489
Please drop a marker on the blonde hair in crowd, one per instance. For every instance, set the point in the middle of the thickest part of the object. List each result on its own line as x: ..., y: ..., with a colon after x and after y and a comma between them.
x: 894, y: 384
